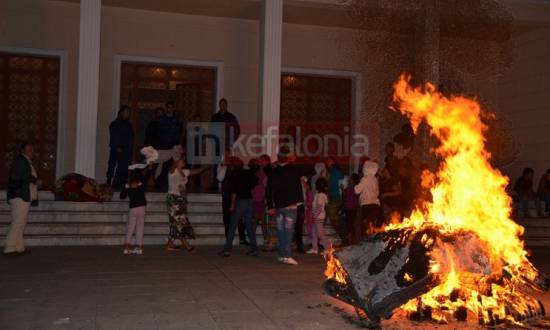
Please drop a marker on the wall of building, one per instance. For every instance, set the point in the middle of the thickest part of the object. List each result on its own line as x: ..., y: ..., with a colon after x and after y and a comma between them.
x: 524, y: 98
x: 39, y: 24
x: 54, y: 25
x: 235, y: 42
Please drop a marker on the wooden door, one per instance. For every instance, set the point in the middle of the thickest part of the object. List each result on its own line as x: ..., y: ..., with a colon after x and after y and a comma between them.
x: 29, y: 105
x: 316, y: 105
x: 145, y: 87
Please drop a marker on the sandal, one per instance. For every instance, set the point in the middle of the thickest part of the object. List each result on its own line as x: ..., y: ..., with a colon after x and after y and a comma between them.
x: 187, y: 246
x: 171, y: 246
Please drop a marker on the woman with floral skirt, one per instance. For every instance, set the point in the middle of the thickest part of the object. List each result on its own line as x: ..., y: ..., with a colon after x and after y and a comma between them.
x: 180, y: 227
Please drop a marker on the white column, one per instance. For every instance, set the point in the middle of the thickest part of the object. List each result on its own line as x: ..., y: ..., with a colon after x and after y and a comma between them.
x: 270, y: 73
x: 88, y: 85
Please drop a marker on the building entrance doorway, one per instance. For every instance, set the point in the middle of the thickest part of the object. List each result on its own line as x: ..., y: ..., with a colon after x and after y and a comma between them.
x: 146, y: 87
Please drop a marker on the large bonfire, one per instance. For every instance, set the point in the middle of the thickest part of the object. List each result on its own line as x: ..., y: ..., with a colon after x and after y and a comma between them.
x: 476, y: 258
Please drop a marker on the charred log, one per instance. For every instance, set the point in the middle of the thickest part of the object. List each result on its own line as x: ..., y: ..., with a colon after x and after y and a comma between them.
x: 391, y: 268
x: 384, y: 271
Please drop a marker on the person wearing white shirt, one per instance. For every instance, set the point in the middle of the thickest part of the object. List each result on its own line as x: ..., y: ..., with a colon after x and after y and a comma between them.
x: 180, y: 227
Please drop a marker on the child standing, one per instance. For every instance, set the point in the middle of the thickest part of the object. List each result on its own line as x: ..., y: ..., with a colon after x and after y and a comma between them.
x: 368, y: 191
x: 319, y: 214
x: 135, y: 190
x: 351, y: 205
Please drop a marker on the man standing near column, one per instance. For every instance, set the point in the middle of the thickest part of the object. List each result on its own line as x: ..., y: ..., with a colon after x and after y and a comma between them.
x: 121, y: 144
x: 22, y: 191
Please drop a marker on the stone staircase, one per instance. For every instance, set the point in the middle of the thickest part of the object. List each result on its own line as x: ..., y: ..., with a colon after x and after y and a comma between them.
x: 69, y: 223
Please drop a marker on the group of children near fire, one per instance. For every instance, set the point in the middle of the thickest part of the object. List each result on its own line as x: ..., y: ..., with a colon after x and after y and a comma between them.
x: 286, y: 196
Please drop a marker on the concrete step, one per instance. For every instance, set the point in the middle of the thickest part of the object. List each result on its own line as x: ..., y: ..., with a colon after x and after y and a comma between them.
x: 108, y: 228
x: 102, y: 217
x: 151, y: 196
x: 154, y: 235
x: 71, y: 223
x: 208, y: 207
x: 108, y: 239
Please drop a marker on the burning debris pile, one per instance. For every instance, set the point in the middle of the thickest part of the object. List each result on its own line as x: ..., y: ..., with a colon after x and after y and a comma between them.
x: 457, y: 257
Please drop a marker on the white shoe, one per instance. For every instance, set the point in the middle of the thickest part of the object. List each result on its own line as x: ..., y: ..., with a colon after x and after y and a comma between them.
x: 138, y: 251
x: 290, y: 261
x: 280, y: 259
x: 312, y: 251
x: 127, y: 251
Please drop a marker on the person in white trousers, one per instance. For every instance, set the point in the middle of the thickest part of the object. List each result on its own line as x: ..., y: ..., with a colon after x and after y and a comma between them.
x: 22, y: 191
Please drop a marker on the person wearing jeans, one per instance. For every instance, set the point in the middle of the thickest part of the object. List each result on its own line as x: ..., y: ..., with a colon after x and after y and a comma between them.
x: 283, y: 196
x: 243, y: 182
x: 299, y: 228
x: 286, y: 220
x: 224, y: 175
x: 243, y: 209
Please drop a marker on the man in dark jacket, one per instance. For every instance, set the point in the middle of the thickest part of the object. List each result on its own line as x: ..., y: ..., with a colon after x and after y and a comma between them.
x: 169, y: 128
x: 232, y: 131
x: 121, y: 144
x: 283, y: 196
x: 22, y: 191
x: 152, y: 130
x: 232, y: 128
x: 169, y: 135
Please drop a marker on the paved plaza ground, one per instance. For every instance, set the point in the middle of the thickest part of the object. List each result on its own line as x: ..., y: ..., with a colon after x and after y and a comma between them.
x: 99, y: 288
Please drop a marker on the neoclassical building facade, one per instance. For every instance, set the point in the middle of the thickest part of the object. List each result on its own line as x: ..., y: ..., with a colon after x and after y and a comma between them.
x: 67, y: 66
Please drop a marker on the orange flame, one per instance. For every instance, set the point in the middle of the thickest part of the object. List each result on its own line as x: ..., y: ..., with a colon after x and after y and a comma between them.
x: 468, y: 195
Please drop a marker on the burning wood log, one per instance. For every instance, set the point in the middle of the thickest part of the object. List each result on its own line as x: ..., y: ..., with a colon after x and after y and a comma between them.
x: 382, y: 273
x: 396, y: 268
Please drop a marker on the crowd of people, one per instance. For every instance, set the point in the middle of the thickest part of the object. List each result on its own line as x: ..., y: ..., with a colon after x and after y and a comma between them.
x: 286, y: 198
